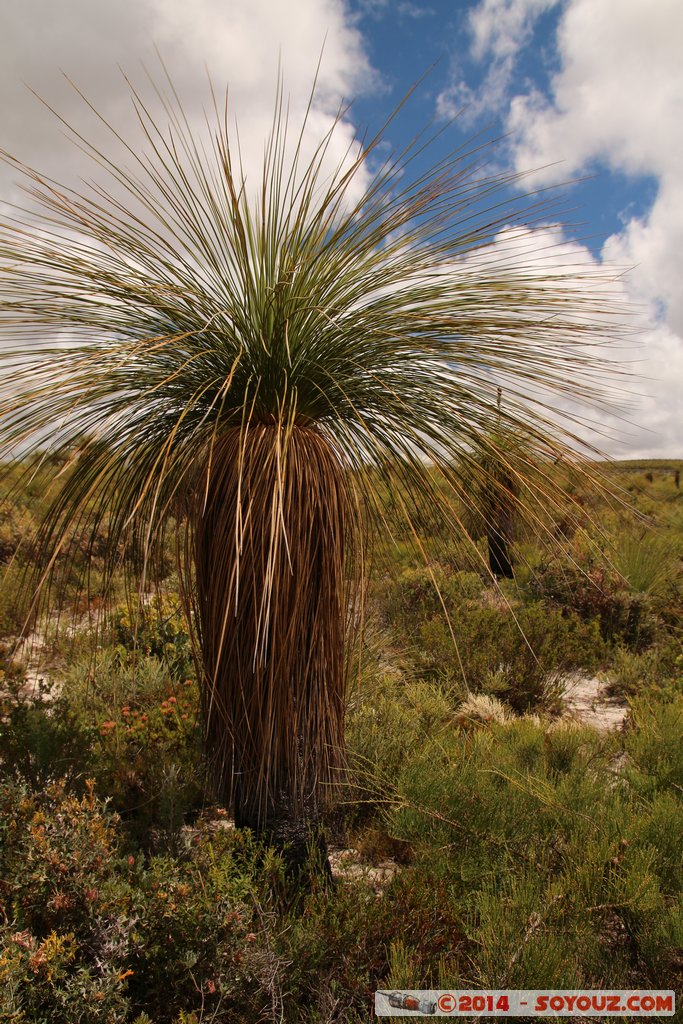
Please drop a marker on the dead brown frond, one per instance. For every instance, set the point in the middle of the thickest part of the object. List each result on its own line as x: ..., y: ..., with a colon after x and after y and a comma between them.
x: 271, y: 522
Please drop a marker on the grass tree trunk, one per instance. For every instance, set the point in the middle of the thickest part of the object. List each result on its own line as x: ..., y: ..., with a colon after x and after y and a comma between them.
x: 500, y: 527
x: 499, y: 551
x: 270, y: 530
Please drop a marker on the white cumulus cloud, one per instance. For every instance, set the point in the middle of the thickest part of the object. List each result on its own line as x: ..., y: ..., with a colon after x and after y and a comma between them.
x: 242, y: 44
x: 616, y: 103
x: 498, y: 30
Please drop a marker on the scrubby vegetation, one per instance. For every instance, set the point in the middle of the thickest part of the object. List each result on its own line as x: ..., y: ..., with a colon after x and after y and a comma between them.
x: 526, y: 850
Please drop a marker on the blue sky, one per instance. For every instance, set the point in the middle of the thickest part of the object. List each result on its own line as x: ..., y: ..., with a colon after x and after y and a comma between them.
x: 406, y: 40
x: 578, y: 87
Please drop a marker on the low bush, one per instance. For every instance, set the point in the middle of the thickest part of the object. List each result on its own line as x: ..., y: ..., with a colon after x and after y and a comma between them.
x: 123, y: 722
x: 66, y: 906
x: 16, y: 528
x: 565, y: 869
x: 488, y: 644
x: 625, y: 616
x: 422, y: 593
x: 14, y: 602
x: 650, y: 562
x: 653, y: 745
x: 519, y: 659
x: 657, y: 671
x: 157, y: 629
x: 94, y: 935
x: 531, y: 854
x: 390, y: 718
x: 42, y: 737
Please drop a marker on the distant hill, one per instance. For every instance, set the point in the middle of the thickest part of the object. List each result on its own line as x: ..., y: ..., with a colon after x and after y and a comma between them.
x: 644, y: 465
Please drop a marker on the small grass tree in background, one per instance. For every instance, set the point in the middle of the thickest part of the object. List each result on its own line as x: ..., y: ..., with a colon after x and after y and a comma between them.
x: 495, y: 496
x: 263, y: 361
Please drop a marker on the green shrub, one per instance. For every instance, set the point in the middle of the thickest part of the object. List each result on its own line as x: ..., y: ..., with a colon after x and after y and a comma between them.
x: 624, y: 616
x: 93, y: 935
x: 649, y: 562
x: 519, y: 659
x: 62, y: 849
x: 552, y: 858
x: 16, y: 527
x: 146, y: 746
x: 514, y: 784
x: 520, y: 925
x: 157, y: 630
x: 660, y: 829
x: 66, y: 906
x: 198, y: 927
x: 653, y: 745
x: 123, y: 722
x: 489, y: 642
x: 388, y: 721
x: 42, y: 737
x: 657, y: 672
x: 14, y: 603
x: 419, y: 594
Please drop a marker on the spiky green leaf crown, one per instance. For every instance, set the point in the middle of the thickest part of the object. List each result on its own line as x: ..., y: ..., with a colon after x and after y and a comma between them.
x: 341, y: 296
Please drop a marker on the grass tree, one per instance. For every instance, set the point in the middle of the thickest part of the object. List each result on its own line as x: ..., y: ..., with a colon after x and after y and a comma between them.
x: 494, y: 480
x: 263, y: 362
